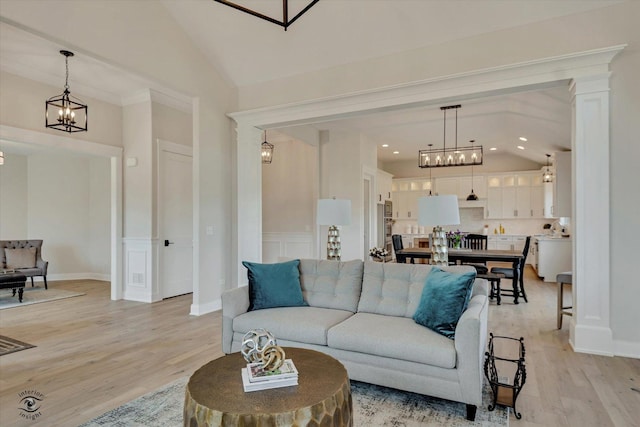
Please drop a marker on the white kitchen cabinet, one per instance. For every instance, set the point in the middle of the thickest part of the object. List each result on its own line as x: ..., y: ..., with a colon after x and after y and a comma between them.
x: 461, y: 186
x: 514, y: 196
x: 506, y: 242
x: 537, y: 202
x: 405, y: 194
x: 494, y: 202
x: 548, y: 200
x: 405, y: 204
x: 479, y: 187
x: 383, y: 186
x: 554, y: 256
x: 447, y: 186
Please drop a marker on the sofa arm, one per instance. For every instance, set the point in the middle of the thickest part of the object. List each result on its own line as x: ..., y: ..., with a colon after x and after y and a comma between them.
x: 470, y: 342
x: 234, y: 303
x: 42, y: 265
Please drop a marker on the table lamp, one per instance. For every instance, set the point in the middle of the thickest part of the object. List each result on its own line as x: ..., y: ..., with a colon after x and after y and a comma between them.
x: 334, y: 212
x: 437, y: 211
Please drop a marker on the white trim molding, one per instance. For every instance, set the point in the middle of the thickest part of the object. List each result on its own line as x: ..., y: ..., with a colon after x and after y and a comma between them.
x: 140, y: 270
x: 278, y: 245
x: 592, y: 332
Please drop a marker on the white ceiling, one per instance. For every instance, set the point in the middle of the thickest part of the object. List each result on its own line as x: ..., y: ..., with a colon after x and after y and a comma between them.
x: 248, y: 50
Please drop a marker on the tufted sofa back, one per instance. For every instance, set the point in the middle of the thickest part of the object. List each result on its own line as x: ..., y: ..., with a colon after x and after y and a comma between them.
x: 19, y: 244
x: 331, y: 284
x: 395, y: 289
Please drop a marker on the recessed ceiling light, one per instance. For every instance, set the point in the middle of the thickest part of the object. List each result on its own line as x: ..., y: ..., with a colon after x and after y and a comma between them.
x: 385, y: 145
x: 396, y: 152
x: 493, y: 149
x: 522, y: 138
x: 521, y: 147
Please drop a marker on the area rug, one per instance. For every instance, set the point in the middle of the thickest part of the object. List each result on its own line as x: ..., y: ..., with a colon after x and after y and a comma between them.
x: 9, y: 345
x: 34, y: 295
x: 373, y: 406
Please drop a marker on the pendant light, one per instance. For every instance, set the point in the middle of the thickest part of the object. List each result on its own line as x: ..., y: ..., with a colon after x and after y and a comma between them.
x: 65, y: 112
x: 472, y: 195
x: 267, y: 150
x: 547, y: 175
x: 454, y: 156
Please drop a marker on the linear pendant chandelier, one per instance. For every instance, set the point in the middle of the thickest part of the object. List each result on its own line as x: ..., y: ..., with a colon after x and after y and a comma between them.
x: 286, y: 22
x: 454, y: 156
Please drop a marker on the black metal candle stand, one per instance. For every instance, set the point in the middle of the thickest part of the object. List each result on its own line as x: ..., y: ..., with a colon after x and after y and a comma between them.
x: 505, y: 391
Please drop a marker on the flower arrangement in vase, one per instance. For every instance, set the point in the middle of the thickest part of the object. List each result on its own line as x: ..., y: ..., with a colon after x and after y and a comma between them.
x: 455, y: 238
x: 378, y: 253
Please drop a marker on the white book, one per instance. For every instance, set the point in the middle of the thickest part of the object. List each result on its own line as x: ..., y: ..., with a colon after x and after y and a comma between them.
x: 265, y: 385
x: 257, y: 374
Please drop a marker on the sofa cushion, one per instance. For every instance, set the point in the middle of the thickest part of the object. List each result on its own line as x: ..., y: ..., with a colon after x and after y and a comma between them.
x: 394, y: 337
x: 444, y: 298
x: 331, y: 284
x: 20, y: 258
x: 395, y: 289
x: 274, y: 285
x: 301, y: 324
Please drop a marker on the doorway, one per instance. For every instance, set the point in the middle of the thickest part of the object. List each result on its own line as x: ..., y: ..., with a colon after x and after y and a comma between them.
x: 175, y: 218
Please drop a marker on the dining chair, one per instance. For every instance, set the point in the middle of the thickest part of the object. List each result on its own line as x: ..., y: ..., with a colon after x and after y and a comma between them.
x: 508, y: 272
x: 396, y: 240
x: 476, y: 242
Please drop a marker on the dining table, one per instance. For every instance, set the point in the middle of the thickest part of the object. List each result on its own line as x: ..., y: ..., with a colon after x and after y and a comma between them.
x: 473, y: 256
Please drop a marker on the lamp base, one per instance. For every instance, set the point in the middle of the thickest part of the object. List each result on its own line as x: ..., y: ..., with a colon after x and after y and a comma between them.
x: 333, y: 244
x: 439, y: 250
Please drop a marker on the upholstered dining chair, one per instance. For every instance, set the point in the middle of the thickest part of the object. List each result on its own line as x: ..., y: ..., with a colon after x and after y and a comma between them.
x: 508, y: 272
x: 477, y: 242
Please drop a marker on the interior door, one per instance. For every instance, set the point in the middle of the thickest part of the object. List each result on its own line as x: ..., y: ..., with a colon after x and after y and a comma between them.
x: 176, y: 222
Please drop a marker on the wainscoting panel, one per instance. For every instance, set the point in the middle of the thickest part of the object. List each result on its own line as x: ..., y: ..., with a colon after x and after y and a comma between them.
x: 140, y: 278
x: 286, y: 245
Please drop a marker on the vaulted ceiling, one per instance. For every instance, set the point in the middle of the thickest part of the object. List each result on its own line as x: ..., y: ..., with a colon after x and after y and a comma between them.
x: 247, y: 50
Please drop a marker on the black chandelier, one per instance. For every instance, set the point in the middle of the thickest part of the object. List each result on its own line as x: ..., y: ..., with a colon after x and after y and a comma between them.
x: 266, y: 150
x: 65, y: 112
x: 286, y: 22
x: 454, y: 156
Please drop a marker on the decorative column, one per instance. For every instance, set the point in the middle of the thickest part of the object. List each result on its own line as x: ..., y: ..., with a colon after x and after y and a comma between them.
x: 248, y: 203
x: 590, y: 325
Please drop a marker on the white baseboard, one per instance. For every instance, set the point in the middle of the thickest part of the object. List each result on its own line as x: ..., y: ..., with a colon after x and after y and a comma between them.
x: 200, y: 309
x: 626, y: 349
x: 73, y: 276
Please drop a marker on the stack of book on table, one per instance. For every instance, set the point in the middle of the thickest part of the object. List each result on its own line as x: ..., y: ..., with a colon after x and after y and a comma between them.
x: 255, y: 378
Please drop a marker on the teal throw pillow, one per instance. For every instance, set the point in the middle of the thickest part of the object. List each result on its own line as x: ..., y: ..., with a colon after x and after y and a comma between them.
x: 445, y: 297
x: 274, y: 285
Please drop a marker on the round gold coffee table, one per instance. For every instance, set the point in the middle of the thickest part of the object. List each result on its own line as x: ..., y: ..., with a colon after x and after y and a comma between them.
x: 214, y: 395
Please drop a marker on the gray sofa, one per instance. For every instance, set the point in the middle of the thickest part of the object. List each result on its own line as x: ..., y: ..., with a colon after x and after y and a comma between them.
x: 38, y: 267
x: 361, y: 314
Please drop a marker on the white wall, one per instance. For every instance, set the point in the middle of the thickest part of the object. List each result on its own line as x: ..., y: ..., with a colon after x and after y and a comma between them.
x: 137, y: 180
x: 289, y: 188
x: 99, y: 217
x: 13, y: 197
x: 342, y: 158
x: 22, y: 106
x: 64, y: 200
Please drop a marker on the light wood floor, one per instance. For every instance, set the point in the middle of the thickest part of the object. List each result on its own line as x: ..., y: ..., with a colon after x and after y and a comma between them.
x: 94, y: 354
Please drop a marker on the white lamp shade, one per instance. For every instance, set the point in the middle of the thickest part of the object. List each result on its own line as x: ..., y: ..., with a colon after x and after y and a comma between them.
x: 334, y: 212
x: 438, y: 210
